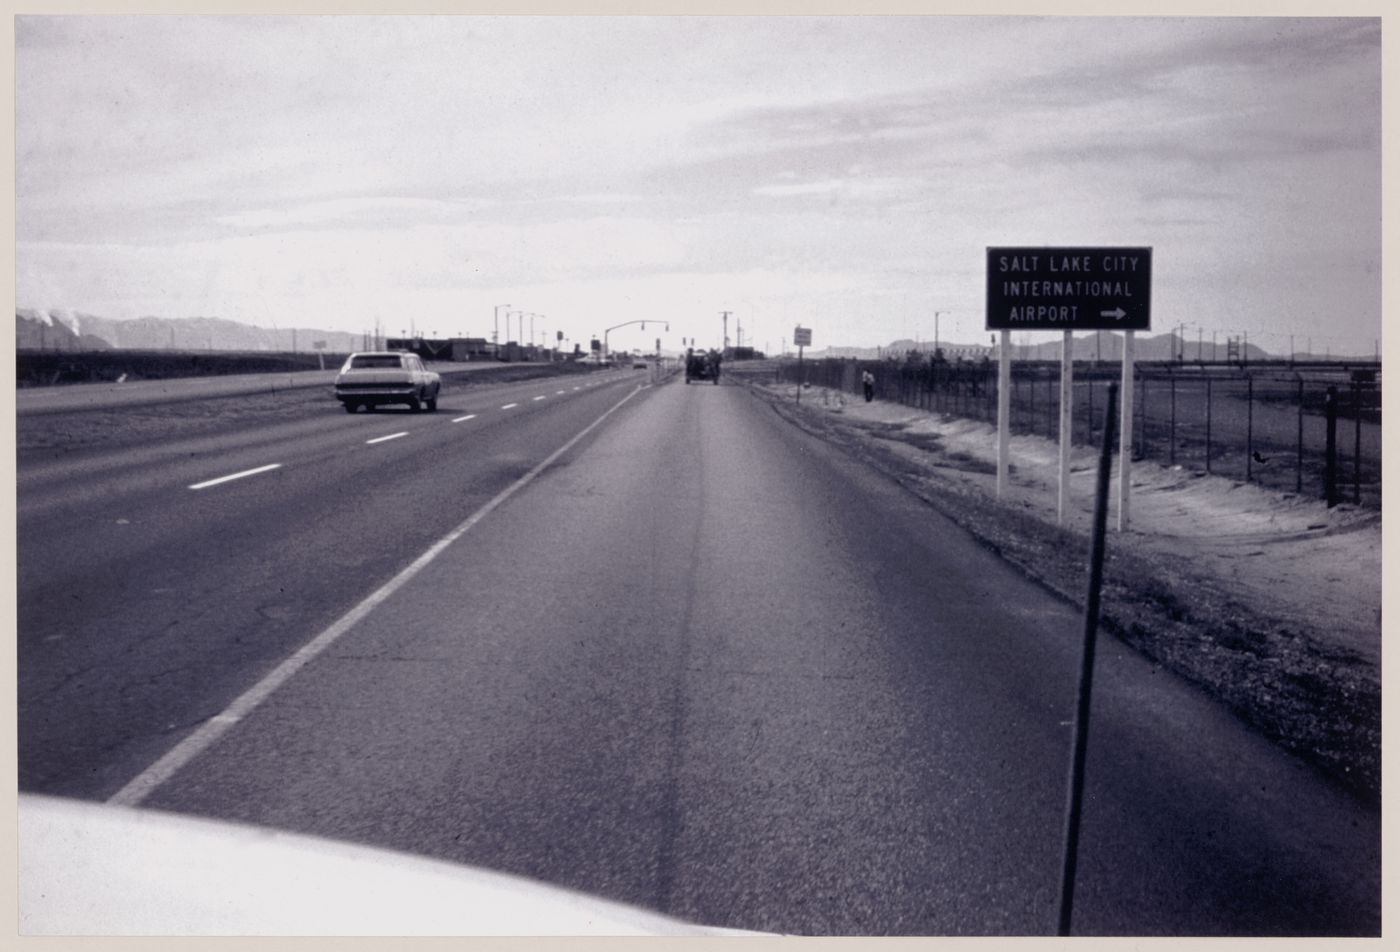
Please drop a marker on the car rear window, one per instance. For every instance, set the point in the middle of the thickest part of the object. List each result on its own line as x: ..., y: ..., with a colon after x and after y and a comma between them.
x: 374, y: 361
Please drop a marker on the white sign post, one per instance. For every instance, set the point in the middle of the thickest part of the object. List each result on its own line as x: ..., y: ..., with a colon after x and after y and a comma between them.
x: 801, y: 336
x: 1066, y: 420
x: 1003, y: 412
x: 1125, y: 432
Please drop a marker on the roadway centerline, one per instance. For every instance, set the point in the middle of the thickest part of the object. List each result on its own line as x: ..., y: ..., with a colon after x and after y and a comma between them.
x: 391, y: 436
x: 247, y: 472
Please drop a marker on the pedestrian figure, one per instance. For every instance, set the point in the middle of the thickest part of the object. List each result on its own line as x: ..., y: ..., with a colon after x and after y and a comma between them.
x: 868, y: 380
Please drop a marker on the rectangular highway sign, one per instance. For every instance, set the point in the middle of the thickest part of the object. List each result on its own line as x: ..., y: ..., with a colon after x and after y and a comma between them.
x: 802, y: 336
x: 1070, y: 289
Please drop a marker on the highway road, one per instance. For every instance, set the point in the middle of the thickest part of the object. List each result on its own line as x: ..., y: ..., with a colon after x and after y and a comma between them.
x: 646, y: 641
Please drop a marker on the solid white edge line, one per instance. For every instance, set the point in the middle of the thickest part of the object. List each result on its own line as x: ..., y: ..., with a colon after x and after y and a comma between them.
x: 146, y: 782
x: 462, y: 419
x: 391, y: 436
x: 224, y: 479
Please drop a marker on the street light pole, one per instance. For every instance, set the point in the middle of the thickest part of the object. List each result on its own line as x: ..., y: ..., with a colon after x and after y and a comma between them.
x: 496, y: 323
x: 935, y: 332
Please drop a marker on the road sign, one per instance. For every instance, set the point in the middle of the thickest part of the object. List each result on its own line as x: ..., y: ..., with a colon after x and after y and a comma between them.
x: 1069, y: 289
x: 802, y: 337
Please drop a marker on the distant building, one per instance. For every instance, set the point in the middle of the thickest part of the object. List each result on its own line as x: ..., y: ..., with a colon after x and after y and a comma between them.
x: 455, y: 349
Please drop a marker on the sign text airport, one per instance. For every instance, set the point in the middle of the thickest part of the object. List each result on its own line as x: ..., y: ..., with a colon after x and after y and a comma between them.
x: 1051, y: 289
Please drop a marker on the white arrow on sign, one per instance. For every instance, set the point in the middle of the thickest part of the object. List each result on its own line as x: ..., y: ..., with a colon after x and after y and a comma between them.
x: 1117, y: 313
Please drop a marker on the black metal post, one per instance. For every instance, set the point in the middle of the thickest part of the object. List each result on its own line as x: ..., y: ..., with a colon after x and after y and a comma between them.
x: 1075, y: 799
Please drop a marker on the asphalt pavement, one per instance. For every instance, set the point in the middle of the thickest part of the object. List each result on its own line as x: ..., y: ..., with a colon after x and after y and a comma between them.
x: 647, y: 642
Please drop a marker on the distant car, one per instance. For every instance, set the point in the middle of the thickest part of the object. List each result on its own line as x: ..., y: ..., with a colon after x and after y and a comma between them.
x: 378, y: 377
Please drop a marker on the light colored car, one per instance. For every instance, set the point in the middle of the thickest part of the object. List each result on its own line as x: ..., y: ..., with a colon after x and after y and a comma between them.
x: 96, y: 869
x: 374, y: 378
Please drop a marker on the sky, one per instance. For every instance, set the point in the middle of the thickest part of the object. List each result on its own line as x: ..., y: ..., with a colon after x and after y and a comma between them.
x: 440, y: 174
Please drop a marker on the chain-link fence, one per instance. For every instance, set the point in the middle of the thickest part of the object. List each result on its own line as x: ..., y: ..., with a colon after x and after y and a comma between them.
x: 1313, y: 429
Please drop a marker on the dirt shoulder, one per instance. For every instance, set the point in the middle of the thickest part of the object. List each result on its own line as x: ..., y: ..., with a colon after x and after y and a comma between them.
x: 1268, y: 601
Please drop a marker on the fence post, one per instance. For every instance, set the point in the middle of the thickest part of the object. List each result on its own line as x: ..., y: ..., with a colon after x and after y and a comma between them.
x: 1249, y: 429
x: 1171, y: 427
x: 1330, y: 473
x: 1142, y: 421
x: 1091, y: 411
x: 1032, y: 426
x: 1356, y: 459
x: 1209, y: 403
x: 1299, y: 487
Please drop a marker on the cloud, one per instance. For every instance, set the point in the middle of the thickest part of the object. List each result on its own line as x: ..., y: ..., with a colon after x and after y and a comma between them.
x: 373, y: 212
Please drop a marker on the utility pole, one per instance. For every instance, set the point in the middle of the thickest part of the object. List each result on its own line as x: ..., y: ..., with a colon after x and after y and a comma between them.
x: 726, y: 329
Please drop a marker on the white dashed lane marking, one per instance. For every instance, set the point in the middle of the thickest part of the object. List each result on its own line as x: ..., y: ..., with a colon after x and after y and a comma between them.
x: 463, y: 419
x: 509, y: 406
x: 247, y: 472
x: 540, y: 397
x: 381, y: 439
x: 208, y: 733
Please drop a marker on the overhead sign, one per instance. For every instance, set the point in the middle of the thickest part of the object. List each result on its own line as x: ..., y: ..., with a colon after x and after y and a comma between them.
x: 1070, y: 289
x: 802, y: 337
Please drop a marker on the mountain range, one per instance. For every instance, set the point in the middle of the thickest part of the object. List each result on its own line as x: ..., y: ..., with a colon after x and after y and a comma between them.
x: 74, y: 331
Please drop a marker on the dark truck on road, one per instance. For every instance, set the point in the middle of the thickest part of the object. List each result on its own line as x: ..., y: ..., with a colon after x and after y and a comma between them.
x: 702, y: 365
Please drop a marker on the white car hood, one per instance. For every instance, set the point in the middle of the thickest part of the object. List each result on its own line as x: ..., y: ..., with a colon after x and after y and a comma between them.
x: 92, y: 869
